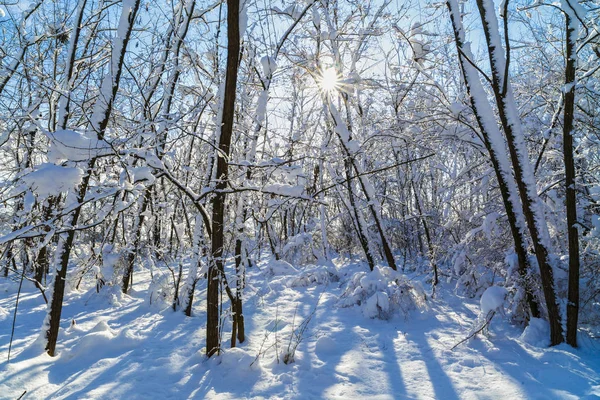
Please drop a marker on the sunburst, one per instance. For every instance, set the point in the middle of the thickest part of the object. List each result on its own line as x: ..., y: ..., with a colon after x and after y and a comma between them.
x: 329, y: 80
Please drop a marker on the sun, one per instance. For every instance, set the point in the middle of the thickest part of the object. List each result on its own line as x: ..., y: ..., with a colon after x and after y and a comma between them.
x: 329, y: 80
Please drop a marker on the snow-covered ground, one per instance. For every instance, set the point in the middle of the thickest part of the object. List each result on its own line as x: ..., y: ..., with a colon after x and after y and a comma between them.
x: 125, y: 347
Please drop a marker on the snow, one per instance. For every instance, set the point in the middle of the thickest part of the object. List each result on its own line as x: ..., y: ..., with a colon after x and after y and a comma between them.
x: 3, y: 313
x: 109, y: 82
x: 492, y: 299
x: 51, y: 180
x: 136, y: 350
x: 269, y: 66
x: 261, y: 107
x: 68, y: 145
x: 243, y: 21
x: 377, y: 306
x: 325, y: 345
x: 284, y: 190
x: 537, y: 333
x: 143, y: 174
x: 316, y: 17
x: 596, y: 226
x: 575, y: 12
x: 109, y: 259
x: 280, y: 267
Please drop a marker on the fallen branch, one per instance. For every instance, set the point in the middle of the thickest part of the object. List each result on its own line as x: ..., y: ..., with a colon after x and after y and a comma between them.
x: 487, y: 323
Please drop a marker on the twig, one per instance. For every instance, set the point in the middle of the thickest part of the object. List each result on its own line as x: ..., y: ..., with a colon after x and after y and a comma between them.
x: 12, y: 333
x: 487, y: 322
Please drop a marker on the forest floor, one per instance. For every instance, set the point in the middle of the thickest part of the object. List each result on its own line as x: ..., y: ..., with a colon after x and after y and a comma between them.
x: 113, y: 346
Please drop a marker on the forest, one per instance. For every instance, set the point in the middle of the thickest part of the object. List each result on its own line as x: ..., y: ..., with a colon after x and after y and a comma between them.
x: 302, y: 199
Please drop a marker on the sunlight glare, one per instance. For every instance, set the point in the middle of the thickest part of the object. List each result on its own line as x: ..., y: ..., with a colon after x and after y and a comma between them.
x: 329, y: 80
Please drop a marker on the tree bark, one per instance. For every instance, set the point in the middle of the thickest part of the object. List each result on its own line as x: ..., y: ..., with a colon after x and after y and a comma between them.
x: 218, y: 201
x: 99, y: 123
x: 498, y: 157
x: 532, y: 207
x: 570, y: 189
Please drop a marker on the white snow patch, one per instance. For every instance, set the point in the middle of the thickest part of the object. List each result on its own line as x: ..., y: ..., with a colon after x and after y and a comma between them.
x: 3, y: 313
x: 537, y: 333
x: 51, y: 180
x: 143, y: 174
x: 377, y: 306
x: 325, y: 345
x: 74, y: 146
x: 239, y: 361
x: 315, y: 274
x: 492, y: 299
x: 280, y: 267
x: 269, y: 66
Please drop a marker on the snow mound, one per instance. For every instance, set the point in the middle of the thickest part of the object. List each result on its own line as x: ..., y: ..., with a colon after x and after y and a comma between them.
x: 537, y: 333
x: 382, y: 292
x: 102, y: 326
x: 315, y: 275
x: 239, y: 361
x: 325, y: 345
x: 492, y: 299
x: 280, y: 267
x: 100, y: 342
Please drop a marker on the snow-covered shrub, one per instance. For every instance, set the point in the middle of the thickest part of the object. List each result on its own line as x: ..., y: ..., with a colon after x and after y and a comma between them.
x: 299, y: 249
x: 238, y: 361
x: 111, y: 263
x: 280, y: 267
x: 383, y: 292
x: 493, y: 300
x: 315, y: 275
x: 481, y: 259
x: 161, y: 290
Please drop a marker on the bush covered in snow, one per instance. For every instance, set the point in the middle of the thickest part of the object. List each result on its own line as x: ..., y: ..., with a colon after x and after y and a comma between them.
x: 299, y: 249
x: 315, y: 275
x: 279, y: 268
x: 382, y: 293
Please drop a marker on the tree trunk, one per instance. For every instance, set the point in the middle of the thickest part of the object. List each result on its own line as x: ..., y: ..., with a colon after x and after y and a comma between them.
x: 430, y: 252
x: 63, y: 253
x: 218, y: 201
x: 498, y: 157
x: 344, y: 133
x: 99, y: 122
x: 360, y: 223
x: 531, y: 203
x: 570, y: 188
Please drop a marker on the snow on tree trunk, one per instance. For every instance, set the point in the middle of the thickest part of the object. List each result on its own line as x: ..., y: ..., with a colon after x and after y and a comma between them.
x: 496, y: 148
x: 99, y: 122
x: 526, y: 183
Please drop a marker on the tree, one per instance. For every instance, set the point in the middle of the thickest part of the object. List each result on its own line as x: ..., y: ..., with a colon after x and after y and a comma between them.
x: 98, y: 123
x: 215, y: 269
